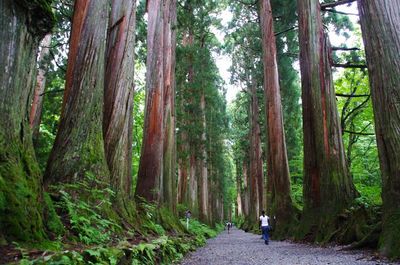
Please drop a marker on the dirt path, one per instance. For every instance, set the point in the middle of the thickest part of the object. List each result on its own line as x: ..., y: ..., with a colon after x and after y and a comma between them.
x: 240, y: 248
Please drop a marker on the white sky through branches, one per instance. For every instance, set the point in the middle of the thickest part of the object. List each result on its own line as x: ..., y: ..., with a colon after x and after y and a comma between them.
x: 223, y: 61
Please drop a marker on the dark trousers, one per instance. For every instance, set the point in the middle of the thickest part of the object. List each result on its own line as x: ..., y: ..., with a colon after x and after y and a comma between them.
x: 265, y: 230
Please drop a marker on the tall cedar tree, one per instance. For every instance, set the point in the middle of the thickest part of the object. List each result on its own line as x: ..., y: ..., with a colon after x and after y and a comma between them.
x: 79, y: 147
x: 118, y: 95
x: 35, y: 115
x: 22, y: 25
x: 151, y: 160
x: 156, y: 176
x: 380, y: 22
x: 278, y: 168
x: 169, y: 153
x: 256, y: 165
x: 328, y: 187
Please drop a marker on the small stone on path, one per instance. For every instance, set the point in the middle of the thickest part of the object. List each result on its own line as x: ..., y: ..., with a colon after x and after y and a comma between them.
x: 240, y: 248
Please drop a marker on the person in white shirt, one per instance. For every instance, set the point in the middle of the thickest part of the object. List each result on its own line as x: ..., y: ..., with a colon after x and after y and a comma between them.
x: 264, y: 226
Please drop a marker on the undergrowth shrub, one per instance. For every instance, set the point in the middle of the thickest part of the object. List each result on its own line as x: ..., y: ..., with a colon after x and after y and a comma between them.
x: 87, y: 212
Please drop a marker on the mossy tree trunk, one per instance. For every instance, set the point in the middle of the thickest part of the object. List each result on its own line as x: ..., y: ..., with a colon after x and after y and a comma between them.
x: 79, y: 147
x: 150, y: 175
x: 118, y: 95
x: 169, y: 156
x: 22, y: 25
x: 381, y: 34
x: 277, y: 162
x: 328, y: 187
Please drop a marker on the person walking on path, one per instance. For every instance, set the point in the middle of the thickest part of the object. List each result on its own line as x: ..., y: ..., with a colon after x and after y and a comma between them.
x: 264, y: 225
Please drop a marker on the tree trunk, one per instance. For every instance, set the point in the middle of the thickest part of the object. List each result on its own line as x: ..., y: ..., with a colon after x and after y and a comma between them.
x: 183, y: 146
x: 118, y: 95
x: 239, y: 203
x: 381, y: 33
x: 193, y: 182
x: 78, y: 150
x: 37, y: 102
x: 328, y: 187
x: 246, y: 188
x: 278, y: 167
x: 202, y: 161
x: 150, y: 175
x: 20, y: 178
x: 256, y: 170
x: 169, y: 179
x: 183, y: 165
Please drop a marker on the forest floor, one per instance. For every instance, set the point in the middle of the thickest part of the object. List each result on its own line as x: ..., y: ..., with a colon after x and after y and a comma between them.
x: 240, y: 248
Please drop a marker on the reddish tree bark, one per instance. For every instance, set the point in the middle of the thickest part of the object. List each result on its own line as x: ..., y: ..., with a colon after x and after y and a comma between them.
x: 151, y: 161
x: 328, y: 187
x: 380, y: 29
x: 278, y: 166
x: 37, y: 102
x: 169, y: 156
x: 118, y: 94
x: 79, y: 147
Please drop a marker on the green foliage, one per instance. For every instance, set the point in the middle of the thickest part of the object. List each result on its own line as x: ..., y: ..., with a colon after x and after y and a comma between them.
x: 86, y: 207
x: 357, y: 122
x: 162, y: 250
x: 369, y: 195
x: 138, y: 124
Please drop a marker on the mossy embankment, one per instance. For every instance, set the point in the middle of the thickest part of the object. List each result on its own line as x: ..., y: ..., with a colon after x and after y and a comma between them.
x: 87, y: 235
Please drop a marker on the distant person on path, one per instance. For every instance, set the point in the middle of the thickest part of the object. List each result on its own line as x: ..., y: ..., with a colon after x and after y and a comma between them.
x: 188, y: 214
x: 264, y: 226
x: 228, y: 225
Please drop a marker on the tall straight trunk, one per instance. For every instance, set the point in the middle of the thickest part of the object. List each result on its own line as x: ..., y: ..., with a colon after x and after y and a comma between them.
x: 184, y: 160
x: 37, y: 102
x: 239, y: 203
x: 246, y: 188
x: 79, y: 147
x: 20, y: 178
x: 381, y: 33
x: 183, y: 168
x: 256, y: 167
x: 169, y: 156
x: 278, y: 166
x: 150, y: 175
x: 193, y: 184
x: 328, y: 187
x: 202, y: 161
x: 118, y: 95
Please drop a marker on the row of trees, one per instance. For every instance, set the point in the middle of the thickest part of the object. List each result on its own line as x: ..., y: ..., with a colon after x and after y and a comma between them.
x: 328, y: 187
x: 94, y: 139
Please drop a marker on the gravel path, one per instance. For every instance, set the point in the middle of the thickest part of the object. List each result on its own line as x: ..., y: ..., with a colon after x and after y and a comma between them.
x: 240, y: 248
